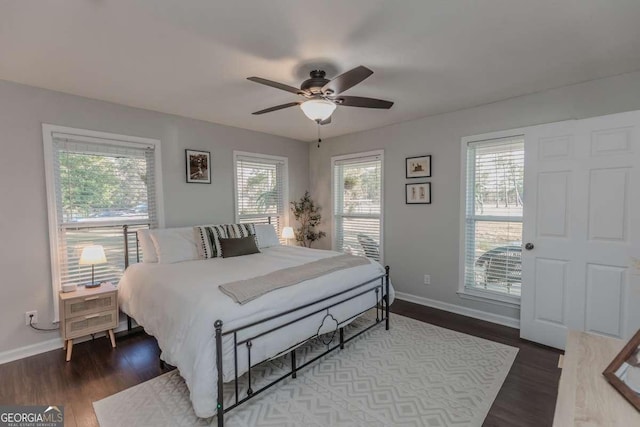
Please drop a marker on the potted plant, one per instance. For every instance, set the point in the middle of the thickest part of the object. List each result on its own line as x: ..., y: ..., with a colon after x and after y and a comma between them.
x: 308, y: 216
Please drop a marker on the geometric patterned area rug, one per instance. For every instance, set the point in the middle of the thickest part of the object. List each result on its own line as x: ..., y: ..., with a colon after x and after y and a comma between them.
x: 417, y: 374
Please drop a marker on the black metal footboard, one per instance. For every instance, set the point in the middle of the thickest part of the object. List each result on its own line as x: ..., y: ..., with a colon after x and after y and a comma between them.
x: 381, y: 306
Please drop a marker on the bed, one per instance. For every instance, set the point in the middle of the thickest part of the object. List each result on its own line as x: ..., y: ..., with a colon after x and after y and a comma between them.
x: 212, y: 340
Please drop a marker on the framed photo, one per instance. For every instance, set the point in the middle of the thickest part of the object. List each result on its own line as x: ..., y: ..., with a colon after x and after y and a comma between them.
x: 418, y: 167
x: 624, y: 371
x: 418, y: 194
x: 198, y: 166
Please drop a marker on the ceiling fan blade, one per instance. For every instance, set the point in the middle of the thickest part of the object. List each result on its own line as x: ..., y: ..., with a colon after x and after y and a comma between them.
x: 276, y: 108
x: 347, y: 80
x: 277, y: 85
x: 359, y: 101
x: 326, y: 121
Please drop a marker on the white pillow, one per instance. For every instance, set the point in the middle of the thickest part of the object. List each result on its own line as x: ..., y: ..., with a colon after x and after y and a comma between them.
x: 174, y: 244
x: 266, y: 235
x: 147, y: 247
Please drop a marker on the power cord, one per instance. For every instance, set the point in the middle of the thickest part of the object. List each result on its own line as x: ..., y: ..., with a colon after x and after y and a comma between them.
x: 40, y: 329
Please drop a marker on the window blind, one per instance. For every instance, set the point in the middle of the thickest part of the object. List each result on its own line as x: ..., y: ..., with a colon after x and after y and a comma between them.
x: 357, y: 215
x: 261, y: 184
x: 100, y: 186
x: 493, y: 217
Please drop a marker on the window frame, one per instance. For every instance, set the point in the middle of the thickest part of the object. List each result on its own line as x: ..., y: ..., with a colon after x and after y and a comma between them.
x: 52, y: 212
x: 335, y: 159
x: 285, y: 184
x: 484, y: 295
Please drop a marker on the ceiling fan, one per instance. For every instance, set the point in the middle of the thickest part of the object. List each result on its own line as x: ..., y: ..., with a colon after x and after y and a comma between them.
x: 323, y: 95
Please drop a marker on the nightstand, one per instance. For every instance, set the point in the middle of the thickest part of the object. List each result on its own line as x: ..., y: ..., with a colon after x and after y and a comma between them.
x: 88, y: 311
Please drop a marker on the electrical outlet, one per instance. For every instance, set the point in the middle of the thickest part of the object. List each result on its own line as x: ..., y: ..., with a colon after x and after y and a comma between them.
x: 27, y: 318
x: 427, y: 279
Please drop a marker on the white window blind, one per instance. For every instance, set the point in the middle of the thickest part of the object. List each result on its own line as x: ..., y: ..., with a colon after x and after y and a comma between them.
x: 357, y: 202
x: 493, y: 217
x: 261, y: 189
x: 99, y: 188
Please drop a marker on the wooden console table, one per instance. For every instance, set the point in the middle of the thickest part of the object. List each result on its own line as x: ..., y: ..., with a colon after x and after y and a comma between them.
x: 585, y: 397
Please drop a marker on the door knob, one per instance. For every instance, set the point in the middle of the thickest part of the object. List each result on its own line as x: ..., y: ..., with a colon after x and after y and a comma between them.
x: 529, y: 246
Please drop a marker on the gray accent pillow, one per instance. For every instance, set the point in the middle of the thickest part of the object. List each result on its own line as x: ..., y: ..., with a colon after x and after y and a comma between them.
x: 238, y: 246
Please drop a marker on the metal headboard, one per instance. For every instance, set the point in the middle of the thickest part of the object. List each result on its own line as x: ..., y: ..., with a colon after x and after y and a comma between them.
x: 126, y: 232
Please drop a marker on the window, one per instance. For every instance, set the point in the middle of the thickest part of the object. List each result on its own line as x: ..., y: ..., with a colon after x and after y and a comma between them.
x: 261, y: 189
x: 493, y: 216
x: 97, y: 183
x: 357, y: 204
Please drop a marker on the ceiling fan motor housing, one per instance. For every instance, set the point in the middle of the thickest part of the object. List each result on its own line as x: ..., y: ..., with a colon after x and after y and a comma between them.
x: 315, y: 83
x: 323, y: 95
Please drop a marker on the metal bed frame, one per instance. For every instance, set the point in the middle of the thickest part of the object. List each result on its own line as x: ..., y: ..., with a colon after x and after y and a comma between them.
x: 381, y: 307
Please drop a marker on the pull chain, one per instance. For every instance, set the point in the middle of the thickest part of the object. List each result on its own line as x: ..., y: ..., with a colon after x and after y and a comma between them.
x: 319, y: 140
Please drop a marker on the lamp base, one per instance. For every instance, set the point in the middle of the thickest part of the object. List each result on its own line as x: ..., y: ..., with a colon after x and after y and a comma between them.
x: 92, y: 285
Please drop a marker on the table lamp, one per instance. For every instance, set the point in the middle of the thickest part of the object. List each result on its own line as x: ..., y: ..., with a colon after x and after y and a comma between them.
x: 92, y: 255
x: 287, y: 233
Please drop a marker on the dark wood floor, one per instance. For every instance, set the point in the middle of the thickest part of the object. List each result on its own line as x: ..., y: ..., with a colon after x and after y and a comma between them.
x: 527, y: 397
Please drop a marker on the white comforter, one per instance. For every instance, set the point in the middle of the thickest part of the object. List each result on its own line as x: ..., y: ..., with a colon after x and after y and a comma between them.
x: 179, y: 303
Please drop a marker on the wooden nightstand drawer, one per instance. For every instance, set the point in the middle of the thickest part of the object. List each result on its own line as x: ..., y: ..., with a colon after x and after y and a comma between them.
x: 89, y: 304
x: 88, y: 311
x: 91, y: 323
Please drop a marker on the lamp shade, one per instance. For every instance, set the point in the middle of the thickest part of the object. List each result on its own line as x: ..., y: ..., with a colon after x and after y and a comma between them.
x: 287, y: 233
x: 318, y: 109
x: 92, y: 255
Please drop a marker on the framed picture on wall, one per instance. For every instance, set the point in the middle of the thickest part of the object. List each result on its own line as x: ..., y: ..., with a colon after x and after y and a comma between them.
x: 418, y: 167
x: 418, y: 194
x: 198, y: 166
x: 624, y: 371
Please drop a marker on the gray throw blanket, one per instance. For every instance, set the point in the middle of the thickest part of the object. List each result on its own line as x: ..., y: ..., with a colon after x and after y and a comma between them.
x: 243, y: 291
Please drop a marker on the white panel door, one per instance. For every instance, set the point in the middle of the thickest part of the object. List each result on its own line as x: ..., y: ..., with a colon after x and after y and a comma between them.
x: 549, y: 272
x: 582, y: 224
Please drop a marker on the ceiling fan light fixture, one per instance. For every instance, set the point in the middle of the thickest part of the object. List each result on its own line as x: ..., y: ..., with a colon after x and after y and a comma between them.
x: 318, y: 109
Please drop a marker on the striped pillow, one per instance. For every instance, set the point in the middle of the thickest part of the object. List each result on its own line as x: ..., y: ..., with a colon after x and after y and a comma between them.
x: 208, y: 240
x: 241, y: 230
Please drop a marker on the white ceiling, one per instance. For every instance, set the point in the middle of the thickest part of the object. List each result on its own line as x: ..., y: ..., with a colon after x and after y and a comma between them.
x: 192, y: 58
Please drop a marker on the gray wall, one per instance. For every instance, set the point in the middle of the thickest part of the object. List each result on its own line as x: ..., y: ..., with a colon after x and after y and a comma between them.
x: 25, y: 278
x: 425, y: 239
x: 419, y: 239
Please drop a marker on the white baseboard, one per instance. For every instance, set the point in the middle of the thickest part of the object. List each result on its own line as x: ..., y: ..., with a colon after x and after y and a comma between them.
x: 30, y: 350
x: 44, y: 346
x: 458, y: 309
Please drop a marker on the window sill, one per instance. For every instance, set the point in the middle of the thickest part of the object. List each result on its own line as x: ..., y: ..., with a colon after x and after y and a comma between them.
x: 490, y: 297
